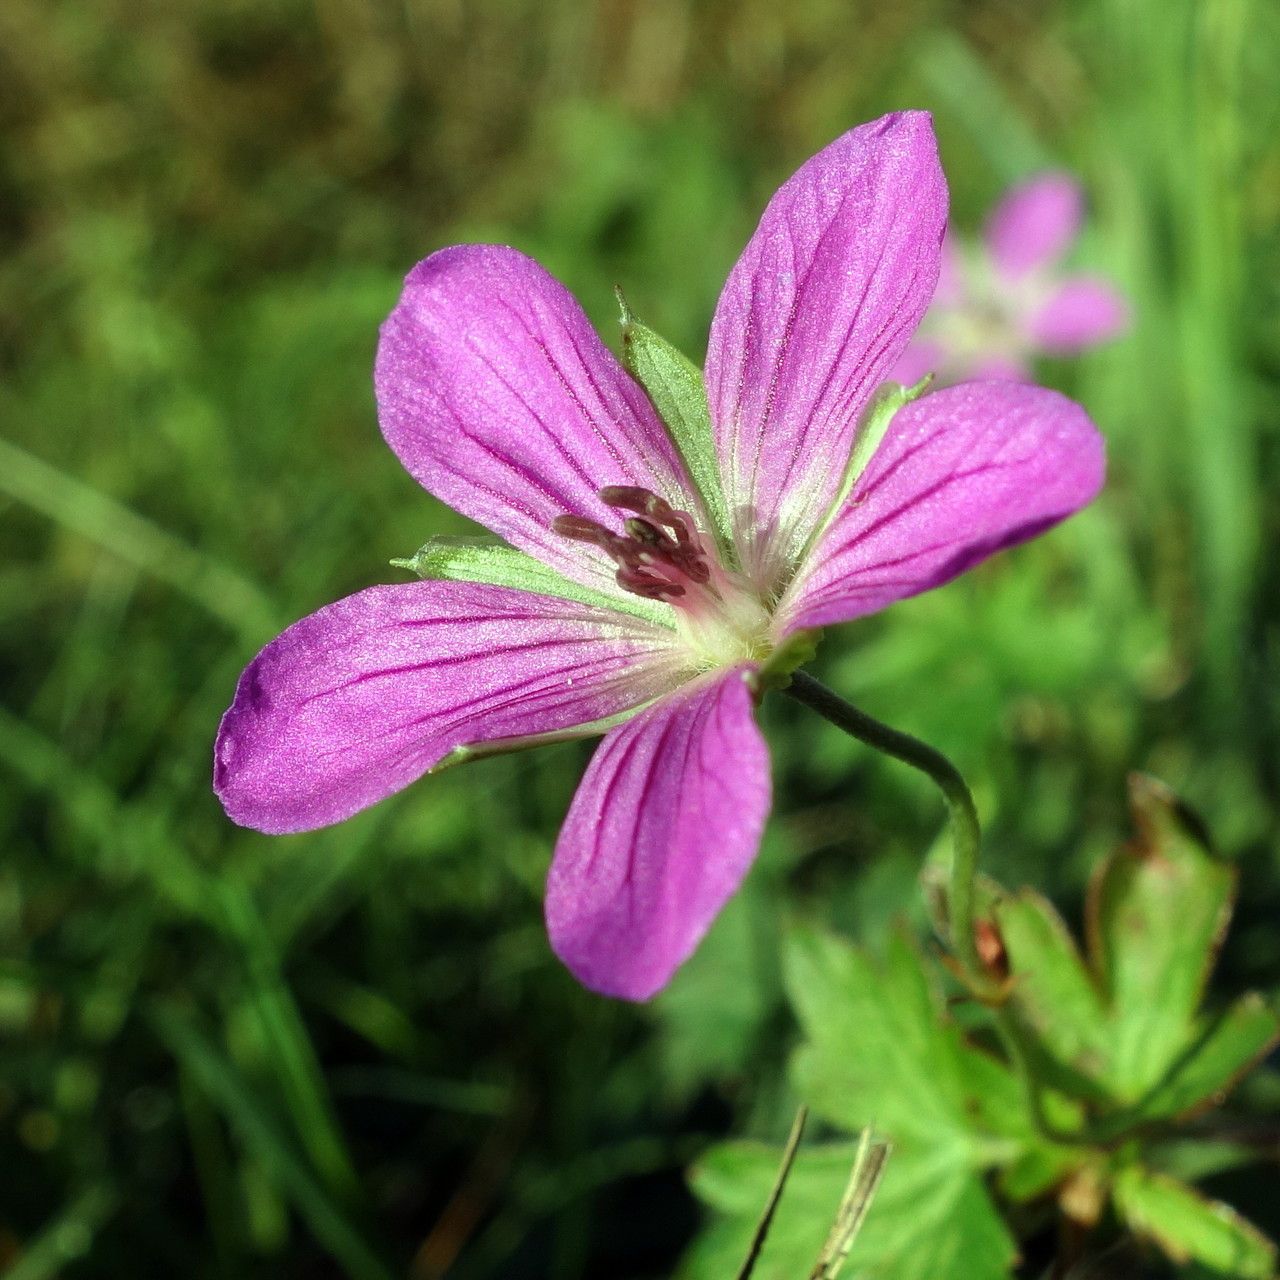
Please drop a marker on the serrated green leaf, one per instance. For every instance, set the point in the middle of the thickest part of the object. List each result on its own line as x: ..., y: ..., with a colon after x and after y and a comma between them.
x: 1126, y: 1035
x: 499, y: 565
x: 931, y: 1218
x: 1157, y: 911
x: 1196, y: 1157
x: 881, y: 1051
x: 877, y: 1051
x: 675, y: 386
x: 1224, y: 1050
x: 1051, y: 990
x: 997, y: 1106
x: 1188, y: 1227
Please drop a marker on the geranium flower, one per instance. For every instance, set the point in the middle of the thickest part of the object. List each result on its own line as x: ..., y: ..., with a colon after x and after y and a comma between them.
x: 1004, y: 302
x: 653, y: 572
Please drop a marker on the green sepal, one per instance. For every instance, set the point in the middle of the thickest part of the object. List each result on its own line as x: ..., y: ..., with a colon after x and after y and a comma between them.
x: 775, y: 672
x: 675, y: 386
x: 872, y: 428
x: 498, y: 565
x: 1189, y: 1227
x: 891, y: 397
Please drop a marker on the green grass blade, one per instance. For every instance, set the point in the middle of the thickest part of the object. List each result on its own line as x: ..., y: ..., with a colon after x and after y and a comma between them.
x: 263, y: 1137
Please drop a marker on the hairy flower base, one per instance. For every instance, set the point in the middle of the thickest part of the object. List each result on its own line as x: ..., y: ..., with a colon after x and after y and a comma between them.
x: 663, y: 555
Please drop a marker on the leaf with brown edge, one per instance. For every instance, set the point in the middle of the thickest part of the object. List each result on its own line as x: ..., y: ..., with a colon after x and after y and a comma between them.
x: 1190, y: 1227
x: 1156, y: 914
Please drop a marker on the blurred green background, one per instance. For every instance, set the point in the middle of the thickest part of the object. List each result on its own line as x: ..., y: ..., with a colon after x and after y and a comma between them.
x: 351, y: 1053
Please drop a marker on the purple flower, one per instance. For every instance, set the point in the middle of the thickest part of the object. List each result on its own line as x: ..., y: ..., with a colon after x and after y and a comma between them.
x: 999, y: 305
x: 647, y: 586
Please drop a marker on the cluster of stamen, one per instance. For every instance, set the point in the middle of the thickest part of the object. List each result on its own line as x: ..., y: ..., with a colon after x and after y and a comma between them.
x: 660, y: 555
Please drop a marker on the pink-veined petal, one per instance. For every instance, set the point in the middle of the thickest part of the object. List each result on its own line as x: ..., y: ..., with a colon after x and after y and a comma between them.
x: 500, y: 398
x: 814, y: 316
x: 960, y: 474
x: 1081, y: 312
x: 1034, y: 224
x: 361, y: 698
x: 663, y: 828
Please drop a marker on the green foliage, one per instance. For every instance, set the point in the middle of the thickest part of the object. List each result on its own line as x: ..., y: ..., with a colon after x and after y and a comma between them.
x: 921, y: 1218
x: 1190, y: 1228
x: 1153, y: 975
x: 924, y: 1220
x: 880, y: 1050
x: 877, y: 1054
x: 223, y: 1087
x: 1124, y: 1031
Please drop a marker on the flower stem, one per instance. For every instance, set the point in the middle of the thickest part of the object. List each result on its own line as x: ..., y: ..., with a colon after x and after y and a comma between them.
x: 962, y: 904
x: 965, y: 832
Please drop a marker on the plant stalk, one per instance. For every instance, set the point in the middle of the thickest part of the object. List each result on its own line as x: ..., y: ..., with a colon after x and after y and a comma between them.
x: 962, y: 905
x: 965, y: 832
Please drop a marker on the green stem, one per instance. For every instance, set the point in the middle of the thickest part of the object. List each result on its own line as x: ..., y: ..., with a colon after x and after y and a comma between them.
x: 966, y: 836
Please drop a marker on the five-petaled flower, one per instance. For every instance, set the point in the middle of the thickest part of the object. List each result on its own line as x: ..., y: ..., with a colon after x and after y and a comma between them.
x: 1000, y: 304
x: 646, y: 585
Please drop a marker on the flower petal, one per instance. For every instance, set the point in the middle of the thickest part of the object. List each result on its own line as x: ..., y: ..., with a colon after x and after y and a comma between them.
x: 358, y: 700
x: 1084, y: 310
x: 663, y: 828
x: 961, y: 473
x: 814, y: 316
x: 499, y: 397
x: 1034, y: 224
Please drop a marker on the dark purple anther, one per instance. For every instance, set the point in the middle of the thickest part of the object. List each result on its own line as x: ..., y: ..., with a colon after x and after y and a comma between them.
x: 660, y: 551
x: 580, y: 529
x: 640, y: 583
x: 649, y: 534
x: 632, y: 498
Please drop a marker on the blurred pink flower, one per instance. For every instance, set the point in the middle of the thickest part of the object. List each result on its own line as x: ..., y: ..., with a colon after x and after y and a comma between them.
x: 644, y: 609
x: 1001, y: 304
